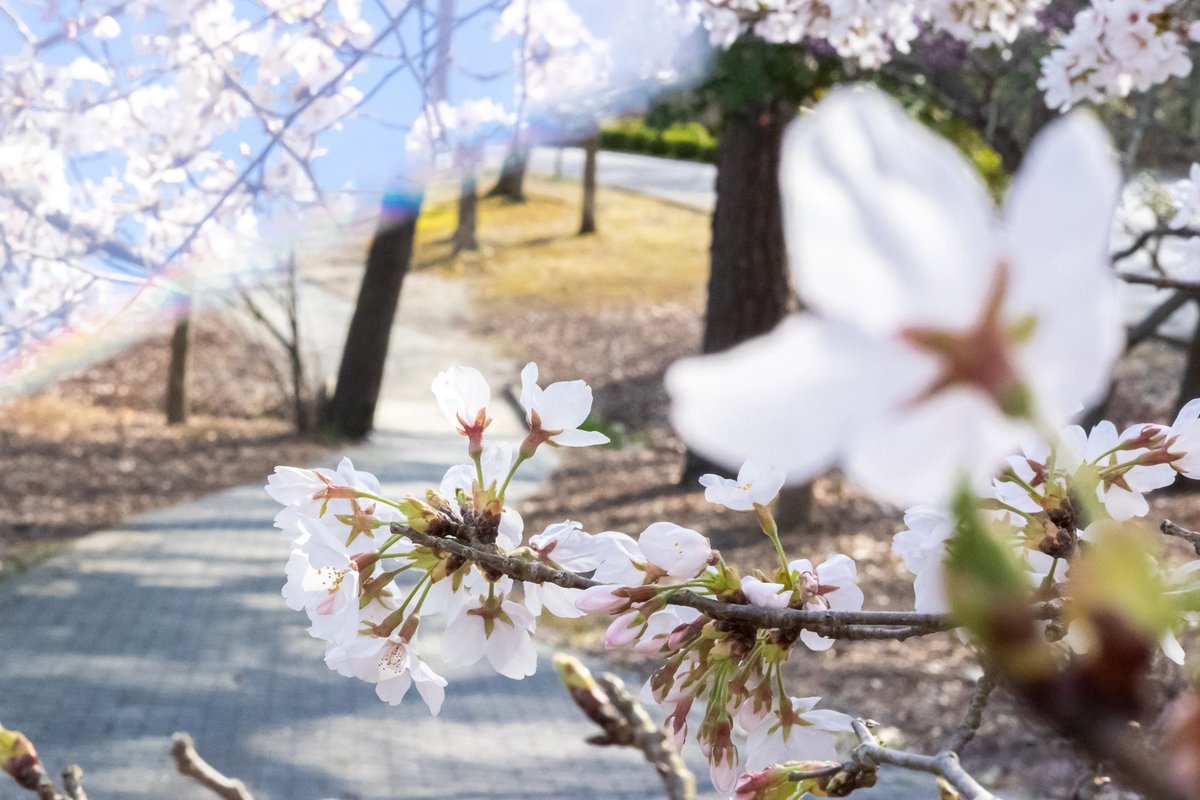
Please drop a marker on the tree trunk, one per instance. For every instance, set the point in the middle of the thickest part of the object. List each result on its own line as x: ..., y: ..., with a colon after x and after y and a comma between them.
x: 468, y: 213
x: 1189, y: 387
x: 511, y: 183
x: 360, y: 376
x: 748, y: 289
x: 302, y: 408
x: 177, y: 370
x: 587, y: 223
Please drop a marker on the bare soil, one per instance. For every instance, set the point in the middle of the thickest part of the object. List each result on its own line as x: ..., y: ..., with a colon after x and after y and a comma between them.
x: 96, y: 448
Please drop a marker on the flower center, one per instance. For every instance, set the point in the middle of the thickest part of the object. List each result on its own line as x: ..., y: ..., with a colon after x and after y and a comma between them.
x: 980, y: 356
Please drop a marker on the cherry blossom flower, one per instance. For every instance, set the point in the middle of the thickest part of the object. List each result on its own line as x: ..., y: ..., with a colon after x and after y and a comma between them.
x: 1113, y: 48
x: 392, y: 664
x: 555, y: 413
x: 496, y: 628
x: 1183, y: 440
x: 310, y: 491
x: 1123, y: 479
x: 324, y: 578
x: 656, y: 637
x: 756, y: 485
x: 923, y: 547
x: 563, y: 545
x: 937, y: 337
x: 663, y: 550
x: 832, y: 585
x: 802, y: 732
x: 463, y: 396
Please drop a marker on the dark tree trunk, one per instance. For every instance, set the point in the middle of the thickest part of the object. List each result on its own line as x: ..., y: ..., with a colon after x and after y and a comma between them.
x: 468, y: 213
x: 360, y: 377
x: 1189, y: 387
x: 587, y: 222
x: 177, y: 371
x: 748, y: 289
x: 511, y: 183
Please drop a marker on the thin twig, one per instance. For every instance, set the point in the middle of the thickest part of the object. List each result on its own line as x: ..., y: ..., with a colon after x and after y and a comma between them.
x: 72, y: 779
x: 651, y: 739
x: 1180, y: 532
x: 191, y: 765
x: 624, y: 723
x: 970, y: 724
x: 871, y: 753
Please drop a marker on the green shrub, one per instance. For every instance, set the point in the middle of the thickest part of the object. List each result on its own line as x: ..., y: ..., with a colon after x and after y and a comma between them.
x: 614, y: 139
x: 685, y: 140
x: 686, y: 150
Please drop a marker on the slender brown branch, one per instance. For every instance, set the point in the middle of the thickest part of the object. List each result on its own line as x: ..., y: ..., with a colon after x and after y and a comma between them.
x: 1145, y: 236
x: 625, y: 723
x: 191, y: 765
x: 1179, y: 532
x: 72, y: 780
x: 870, y: 753
x: 654, y: 743
x: 1160, y: 282
x: 852, y: 625
x: 970, y: 724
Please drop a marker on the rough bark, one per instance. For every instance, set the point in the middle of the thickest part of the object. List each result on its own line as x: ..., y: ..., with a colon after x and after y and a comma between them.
x: 748, y: 290
x: 176, y: 404
x: 360, y: 376
x: 587, y: 222
x: 465, y: 234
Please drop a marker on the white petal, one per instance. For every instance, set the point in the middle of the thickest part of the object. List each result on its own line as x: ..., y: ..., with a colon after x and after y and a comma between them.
x: 565, y: 405
x: 578, y: 438
x: 886, y: 223
x: 1058, y: 219
x: 790, y: 398
x: 680, y: 552
x: 921, y: 454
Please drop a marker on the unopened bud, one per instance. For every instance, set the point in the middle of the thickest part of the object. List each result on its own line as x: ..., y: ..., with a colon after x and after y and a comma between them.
x: 19, y: 758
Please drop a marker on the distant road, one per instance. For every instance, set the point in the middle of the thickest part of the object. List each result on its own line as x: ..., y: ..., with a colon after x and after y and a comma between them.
x: 688, y: 183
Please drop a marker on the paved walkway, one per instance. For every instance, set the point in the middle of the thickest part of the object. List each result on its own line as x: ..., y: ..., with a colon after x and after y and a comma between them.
x: 173, y: 621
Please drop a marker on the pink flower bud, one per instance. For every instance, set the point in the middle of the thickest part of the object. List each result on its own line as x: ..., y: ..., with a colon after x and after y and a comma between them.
x: 603, y: 599
x: 624, y: 630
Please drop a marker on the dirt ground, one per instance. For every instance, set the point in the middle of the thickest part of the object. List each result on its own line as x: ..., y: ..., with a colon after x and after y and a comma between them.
x: 621, y: 343
x: 96, y: 448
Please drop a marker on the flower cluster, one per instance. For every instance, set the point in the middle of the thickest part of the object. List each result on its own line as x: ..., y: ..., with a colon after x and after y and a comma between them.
x: 1116, y: 47
x: 366, y: 589
x: 865, y: 32
x: 735, y: 671
x: 1051, y: 499
x: 982, y: 23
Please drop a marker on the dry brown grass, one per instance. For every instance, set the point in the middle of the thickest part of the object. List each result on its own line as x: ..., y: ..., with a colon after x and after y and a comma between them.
x: 531, y: 256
